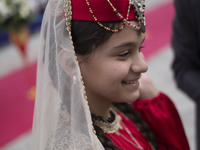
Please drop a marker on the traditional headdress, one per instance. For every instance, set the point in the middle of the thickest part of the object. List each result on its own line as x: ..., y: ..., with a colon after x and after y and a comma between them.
x: 62, y: 119
x: 109, y: 10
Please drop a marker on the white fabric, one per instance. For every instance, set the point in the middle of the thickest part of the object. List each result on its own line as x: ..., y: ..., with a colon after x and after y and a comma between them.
x: 62, y: 118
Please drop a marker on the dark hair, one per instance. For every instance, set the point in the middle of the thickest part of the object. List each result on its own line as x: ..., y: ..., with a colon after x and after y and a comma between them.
x: 86, y: 37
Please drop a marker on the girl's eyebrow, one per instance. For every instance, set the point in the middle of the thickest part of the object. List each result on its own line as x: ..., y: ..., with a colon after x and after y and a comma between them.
x: 127, y: 44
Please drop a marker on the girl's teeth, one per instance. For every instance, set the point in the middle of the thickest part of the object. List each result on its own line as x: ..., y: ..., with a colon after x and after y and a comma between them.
x: 128, y: 82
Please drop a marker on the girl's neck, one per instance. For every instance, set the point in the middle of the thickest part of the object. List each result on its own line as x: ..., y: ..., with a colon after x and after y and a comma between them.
x: 99, y: 106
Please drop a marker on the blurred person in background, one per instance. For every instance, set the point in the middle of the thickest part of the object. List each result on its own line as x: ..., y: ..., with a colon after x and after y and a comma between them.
x: 186, y: 47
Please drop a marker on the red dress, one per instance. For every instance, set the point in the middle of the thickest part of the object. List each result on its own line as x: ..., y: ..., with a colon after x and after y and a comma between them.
x: 163, y: 119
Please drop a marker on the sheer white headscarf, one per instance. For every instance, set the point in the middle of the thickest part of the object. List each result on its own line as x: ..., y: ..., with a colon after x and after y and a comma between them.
x: 62, y: 119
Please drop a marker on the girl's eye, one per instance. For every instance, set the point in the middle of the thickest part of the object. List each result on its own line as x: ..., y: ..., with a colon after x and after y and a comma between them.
x: 123, y: 54
x: 140, y: 48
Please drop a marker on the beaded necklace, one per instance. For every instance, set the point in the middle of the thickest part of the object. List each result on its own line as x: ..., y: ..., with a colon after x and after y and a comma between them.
x: 136, y: 144
x: 113, y: 124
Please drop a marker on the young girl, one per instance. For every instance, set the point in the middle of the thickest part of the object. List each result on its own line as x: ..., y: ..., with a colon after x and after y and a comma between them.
x: 92, y: 92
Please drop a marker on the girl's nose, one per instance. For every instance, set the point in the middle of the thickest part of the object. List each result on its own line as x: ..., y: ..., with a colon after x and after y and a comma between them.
x: 139, y: 64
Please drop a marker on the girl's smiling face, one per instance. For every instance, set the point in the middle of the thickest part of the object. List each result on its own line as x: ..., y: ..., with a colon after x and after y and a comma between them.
x: 111, y: 73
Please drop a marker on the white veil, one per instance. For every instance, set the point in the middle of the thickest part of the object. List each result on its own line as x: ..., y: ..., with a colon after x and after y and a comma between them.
x: 62, y: 118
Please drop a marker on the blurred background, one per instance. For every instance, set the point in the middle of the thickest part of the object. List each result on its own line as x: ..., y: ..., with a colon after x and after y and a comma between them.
x: 20, y: 23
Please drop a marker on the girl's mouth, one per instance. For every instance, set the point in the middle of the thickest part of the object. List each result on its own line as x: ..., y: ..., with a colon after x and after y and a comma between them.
x: 129, y: 82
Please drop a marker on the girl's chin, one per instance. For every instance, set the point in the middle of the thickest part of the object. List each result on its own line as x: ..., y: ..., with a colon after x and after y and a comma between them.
x: 135, y: 96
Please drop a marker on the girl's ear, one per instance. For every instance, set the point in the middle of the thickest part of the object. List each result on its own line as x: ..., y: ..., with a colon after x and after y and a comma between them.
x: 66, y: 62
x: 62, y: 59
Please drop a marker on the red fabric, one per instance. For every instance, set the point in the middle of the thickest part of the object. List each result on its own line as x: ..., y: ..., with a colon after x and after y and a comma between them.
x: 162, y: 118
x: 123, y: 144
x: 102, y: 10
